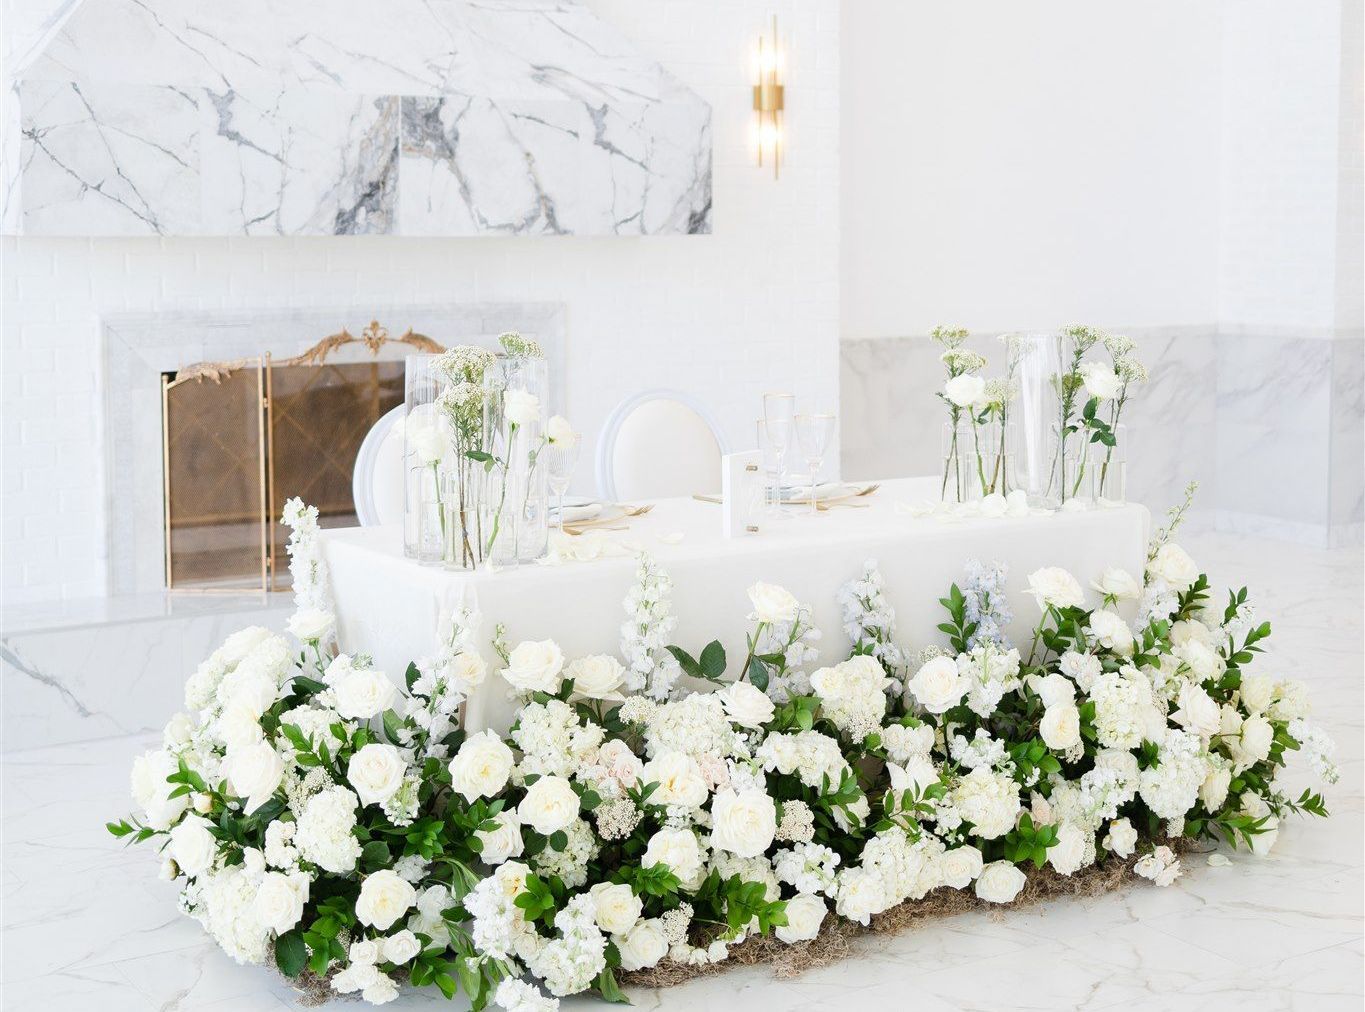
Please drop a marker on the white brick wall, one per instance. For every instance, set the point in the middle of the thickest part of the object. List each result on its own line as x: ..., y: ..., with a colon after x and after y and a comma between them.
x: 726, y: 316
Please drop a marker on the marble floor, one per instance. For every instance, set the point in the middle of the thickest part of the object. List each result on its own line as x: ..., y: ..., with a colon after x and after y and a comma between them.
x: 87, y: 925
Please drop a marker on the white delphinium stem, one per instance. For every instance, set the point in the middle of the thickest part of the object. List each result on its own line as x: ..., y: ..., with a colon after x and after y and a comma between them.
x: 870, y: 622
x: 645, y: 634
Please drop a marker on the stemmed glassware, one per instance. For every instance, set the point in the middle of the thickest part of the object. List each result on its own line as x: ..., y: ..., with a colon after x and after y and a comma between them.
x: 813, y: 435
x: 779, y: 410
x: 561, y: 457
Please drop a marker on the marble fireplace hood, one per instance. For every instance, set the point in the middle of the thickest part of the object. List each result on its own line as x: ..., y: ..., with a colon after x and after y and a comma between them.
x: 342, y: 117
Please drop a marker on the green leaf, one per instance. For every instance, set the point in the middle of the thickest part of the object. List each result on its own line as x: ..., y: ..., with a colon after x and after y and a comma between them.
x: 479, y: 455
x: 606, y: 984
x: 758, y: 674
x: 713, y: 660
x: 411, y: 675
x: 375, y: 855
x: 686, y: 661
x: 290, y: 953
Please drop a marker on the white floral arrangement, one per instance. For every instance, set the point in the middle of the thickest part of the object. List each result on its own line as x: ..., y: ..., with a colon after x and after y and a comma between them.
x: 323, y: 818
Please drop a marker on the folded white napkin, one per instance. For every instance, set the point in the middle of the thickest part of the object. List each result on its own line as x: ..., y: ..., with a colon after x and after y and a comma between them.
x: 573, y: 513
x: 824, y: 490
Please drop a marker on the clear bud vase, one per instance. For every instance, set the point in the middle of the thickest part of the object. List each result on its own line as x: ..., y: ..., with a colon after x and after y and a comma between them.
x: 954, y: 451
x: 426, y: 446
x: 461, y: 546
x: 1036, y: 463
x: 991, y: 466
x: 1109, y: 470
x: 515, y: 499
x: 1071, y: 471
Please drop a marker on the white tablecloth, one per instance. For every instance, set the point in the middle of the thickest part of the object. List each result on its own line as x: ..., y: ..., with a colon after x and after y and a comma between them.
x: 388, y: 606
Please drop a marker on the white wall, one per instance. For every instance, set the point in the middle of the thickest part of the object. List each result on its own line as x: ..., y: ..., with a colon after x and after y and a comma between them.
x: 726, y: 316
x: 1013, y: 165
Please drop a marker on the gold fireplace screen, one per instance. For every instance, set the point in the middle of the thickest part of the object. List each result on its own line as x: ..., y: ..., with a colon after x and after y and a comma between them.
x: 240, y: 438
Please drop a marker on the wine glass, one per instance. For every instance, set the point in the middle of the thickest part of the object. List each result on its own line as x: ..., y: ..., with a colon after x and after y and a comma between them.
x: 813, y: 435
x: 561, y: 457
x: 778, y: 412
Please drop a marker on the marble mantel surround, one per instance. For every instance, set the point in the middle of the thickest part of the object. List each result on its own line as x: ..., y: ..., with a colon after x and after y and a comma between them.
x: 339, y: 117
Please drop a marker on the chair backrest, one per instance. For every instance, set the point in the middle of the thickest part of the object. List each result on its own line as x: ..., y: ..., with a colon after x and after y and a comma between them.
x: 377, y: 482
x: 657, y: 444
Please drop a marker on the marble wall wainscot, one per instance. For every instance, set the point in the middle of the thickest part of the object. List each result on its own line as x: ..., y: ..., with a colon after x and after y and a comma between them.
x: 185, y: 117
x: 1347, y: 510
x: 80, y: 671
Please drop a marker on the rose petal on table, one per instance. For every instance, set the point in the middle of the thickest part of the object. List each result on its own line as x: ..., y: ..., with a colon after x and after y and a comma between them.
x: 1219, y: 861
x: 672, y: 537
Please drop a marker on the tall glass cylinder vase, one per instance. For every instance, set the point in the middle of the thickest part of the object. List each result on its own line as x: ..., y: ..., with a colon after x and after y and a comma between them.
x: 515, y: 497
x: 426, y: 448
x: 1037, y: 465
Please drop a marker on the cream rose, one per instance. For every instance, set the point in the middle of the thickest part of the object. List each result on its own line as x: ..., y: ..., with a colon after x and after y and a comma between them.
x: 616, y: 907
x: 1109, y: 630
x: 152, y: 793
x: 365, y: 952
x: 1174, y: 565
x: 1053, y: 689
x: 1257, y: 693
x: 535, y: 666
x: 383, y: 899
x: 1067, y: 855
x: 743, y: 823
x: 467, y: 670
x: 999, y: 882
x: 805, y: 914
x: 1213, y: 792
x: 746, y: 705
x: 1054, y: 586
x: 959, y: 866
x: 1121, y: 838
x: 676, y: 848
x: 400, y: 947
x: 1101, y: 380
x: 254, y: 772
x: 521, y: 407
x: 916, y: 775
x: 1257, y: 737
x: 621, y: 764
x: 363, y: 693
x: 1060, y: 727
x: 177, y: 730
x: 597, y: 677
x: 192, y: 845
x: 559, y: 431
x: 1119, y: 584
x: 772, y: 603
x: 481, y: 767
x: 1191, y: 629
x: 549, y: 806
x: 643, y: 946
x: 1198, y: 712
x: 679, y: 778
x: 1200, y: 659
x: 376, y: 772
x: 280, y: 900
x: 502, y: 842
x: 249, y: 689
x: 966, y: 391
x: 238, y: 726
x: 1254, y: 805
x: 937, y: 685
x: 311, y: 624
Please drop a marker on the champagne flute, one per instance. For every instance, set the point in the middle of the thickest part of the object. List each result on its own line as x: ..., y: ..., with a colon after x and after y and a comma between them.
x: 779, y: 410
x: 561, y: 457
x: 813, y: 435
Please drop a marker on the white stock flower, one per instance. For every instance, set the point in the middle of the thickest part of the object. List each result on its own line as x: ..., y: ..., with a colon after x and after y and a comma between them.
x: 772, y: 603
x: 1101, y: 380
x: 401, y: 947
x: 966, y: 391
x: 254, y: 772
x: 746, y: 705
x: 617, y: 907
x: 549, y: 806
x: 383, y: 899
x: 743, y: 823
x: 1174, y: 565
x: 1054, y: 586
x: 559, y: 431
x: 642, y: 946
x: 521, y: 406
x: 376, y: 772
x: 1119, y: 584
x: 192, y: 845
x: 481, y: 767
x: 679, y: 778
x: 937, y: 685
x: 535, y: 666
x: 363, y: 693
x: 1121, y: 838
x: 280, y: 900
x: 805, y: 914
x: 999, y: 882
x: 599, y: 676
x: 503, y: 842
x: 1060, y: 727
x: 310, y: 624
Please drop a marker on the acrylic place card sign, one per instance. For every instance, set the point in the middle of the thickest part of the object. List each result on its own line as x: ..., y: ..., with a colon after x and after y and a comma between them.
x: 741, y: 492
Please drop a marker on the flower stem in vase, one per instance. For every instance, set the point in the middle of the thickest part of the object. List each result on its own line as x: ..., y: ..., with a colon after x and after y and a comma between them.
x: 976, y: 447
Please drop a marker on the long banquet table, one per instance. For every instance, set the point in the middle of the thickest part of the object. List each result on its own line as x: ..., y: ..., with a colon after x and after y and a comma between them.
x: 388, y: 606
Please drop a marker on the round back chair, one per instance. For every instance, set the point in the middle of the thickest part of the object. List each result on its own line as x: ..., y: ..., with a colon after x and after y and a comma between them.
x: 657, y: 444
x: 377, y: 482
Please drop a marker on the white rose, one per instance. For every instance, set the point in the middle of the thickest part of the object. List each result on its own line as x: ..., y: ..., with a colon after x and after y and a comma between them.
x: 363, y: 694
x: 1257, y: 692
x: 248, y: 688
x: 805, y: 914
x: 1257, y: 737
x: 1060, y: 727
x: 434, y: 901
x: 966, y: 391
x: 746, y: 705
x: 1109, y: 630
x: 254, y: 772
x: 177, y: 730
x: 1119, y: 584
x: 1213, y: 792
x: 959, y: 866
x: 1191, y: 629
x: 743, y: 823
x: 1101, y: 380
x: 535, y: 667
x: 549, y: 806
x: 559, y: 431
x: 1174, y: 565
x: 365, y: 952
x: 192, y: 845
x: 861, y: 893
x: 1054, y: 586
x: 616, y: 907
x: 1053, y: 689
x: 676, y: 848
x: 916, y: 775
x: 481, y: 767
x: 467, y: 670
x: 1067, y: 855
x: 309, y: 624
x: 773, y: 603
x: 280, y: 900
x: 1198, y: 712
x: 424, y: 435
x: 383, y: 899
x: 1200, y: 659
x: 400, y: 947
x: 241, y: 643
x: 1121, y: 838
x: 1254, y: 805
x: 621, y: 764
x: 597, y: 677
x: 238, y: 726
x: 376, y: 772
x: 937, y: 685
x: 643, y: 946
x: 521, y: 406
x: 999, y: 882
x: 679, y: 778
x: 502, y: 842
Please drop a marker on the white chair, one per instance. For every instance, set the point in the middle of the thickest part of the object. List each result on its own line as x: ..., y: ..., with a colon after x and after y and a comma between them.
x: 377, y: 481
x: 657, y: 444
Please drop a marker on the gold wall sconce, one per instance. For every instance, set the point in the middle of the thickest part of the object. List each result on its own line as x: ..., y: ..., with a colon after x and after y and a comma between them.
x: 769, y: 100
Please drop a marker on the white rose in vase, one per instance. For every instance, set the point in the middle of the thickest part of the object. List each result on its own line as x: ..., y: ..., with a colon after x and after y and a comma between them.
x: 937, y: 685
x: 503, y: 842
x: 743, y: 823
x: 1101, y: 380
x: 383, y: 899
x: 535, y: 666
x: 549, y: 806
x: 617, y: 907
x: 481, y: 767
x: 424, y: 435
x: 280, y: 900
x: 999, y: 882
x: 643, y: 946
x: 1054, y: 586
x: 254, y: 773
x: 597, y: 677
x: 773, y: 603
x: 746, y: 705
x: 192, y: 845
x: 363, y: 693
x: 966, y: 391
x: 521, y: 407
x: 376, y: 772
x: 559, y: 431
x: 805, y: 914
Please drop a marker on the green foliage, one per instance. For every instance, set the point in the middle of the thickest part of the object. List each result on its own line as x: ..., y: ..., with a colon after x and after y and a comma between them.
x: 710, y: 667
x: 959, y: 630
x: 1027, y: 842
x: 291, y: 954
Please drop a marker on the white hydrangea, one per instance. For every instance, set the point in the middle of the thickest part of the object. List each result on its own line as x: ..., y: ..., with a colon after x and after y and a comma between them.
x: 226, y: 909
x: 988, y: 800
x: 571, y: 962
x: 552, y: 739
x: 571, y: 863
x: 1171, y: 787
x: 807, y: 867
x: 1082, y: 669
x: 325, y: 834
x: 853, y: 695
x: 812, y: 756
x: 1122, y: 700
x: 696, y: 725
